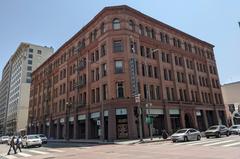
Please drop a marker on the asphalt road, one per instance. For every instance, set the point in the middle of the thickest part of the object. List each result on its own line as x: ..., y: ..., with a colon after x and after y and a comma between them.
x: 220, y: 148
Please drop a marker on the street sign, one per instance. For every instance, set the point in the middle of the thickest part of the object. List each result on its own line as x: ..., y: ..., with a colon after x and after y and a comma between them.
x: 149, y: 120
x: 137, y: 98
x: 98, y: 122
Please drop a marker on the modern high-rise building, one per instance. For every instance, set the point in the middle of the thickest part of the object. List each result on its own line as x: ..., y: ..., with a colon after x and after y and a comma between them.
x: 87, y: 88
x: 26, y: 59
x: 4, y: 92
x: 231, y: 99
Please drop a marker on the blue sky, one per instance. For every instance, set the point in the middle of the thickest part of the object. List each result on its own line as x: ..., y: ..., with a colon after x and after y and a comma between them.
x: 52, y: 22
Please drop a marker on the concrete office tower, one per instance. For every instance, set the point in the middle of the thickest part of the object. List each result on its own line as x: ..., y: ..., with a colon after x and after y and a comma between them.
x: 26, y: 59
x: 87, y: 87
x: 4, y: 92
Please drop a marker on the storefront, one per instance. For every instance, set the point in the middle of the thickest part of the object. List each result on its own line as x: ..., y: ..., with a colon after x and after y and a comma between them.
x: 122, y: 123
x: 105, y: 125
x: 47, y: 124
x: 81, y: 128
x: 210, y: 117
x: 200, y: 120
x: 70, y: 127
x: 175, y: 119
x: 61, y: 128
x: 54, y: 129
x: 95, y: 125
x: 158, y: 121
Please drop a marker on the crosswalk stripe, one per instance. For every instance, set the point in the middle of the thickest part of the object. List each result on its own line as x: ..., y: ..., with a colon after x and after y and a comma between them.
x: 217, y: 143
x: 39, y: 152
x: 233, y: 144
x: 203, y: 142
x: 10, y: 157
x: 54, y: 150
x: 24, y: 154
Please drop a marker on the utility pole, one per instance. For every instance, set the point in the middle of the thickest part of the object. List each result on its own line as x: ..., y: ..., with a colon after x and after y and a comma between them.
x: 134, y: 84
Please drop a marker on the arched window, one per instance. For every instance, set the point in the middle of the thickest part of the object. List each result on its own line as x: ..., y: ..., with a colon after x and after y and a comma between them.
x: 131, y: 25
x: 116, y: 24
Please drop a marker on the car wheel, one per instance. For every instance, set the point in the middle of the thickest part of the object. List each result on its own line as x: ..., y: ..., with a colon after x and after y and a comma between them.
x: 185, y: 138
x: 198, y: 137
x: 39, y: 145
x: 207, y: 137
x: 218, y: 135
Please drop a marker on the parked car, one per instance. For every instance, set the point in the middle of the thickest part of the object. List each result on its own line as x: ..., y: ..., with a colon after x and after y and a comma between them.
x: 31, y: 140
x: 235, y: 129
x: 43, y: 138
x: 4, y: 139
x: 186, y: 135
x: 217, y: 131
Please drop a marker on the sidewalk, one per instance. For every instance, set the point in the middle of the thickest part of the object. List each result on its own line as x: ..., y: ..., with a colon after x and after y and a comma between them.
x: 146, y: 140
x: 120, y: 142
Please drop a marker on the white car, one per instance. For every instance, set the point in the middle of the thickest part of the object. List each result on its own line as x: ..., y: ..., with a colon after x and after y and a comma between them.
x: 4, y: 139
x: 31, y: 140
x: 186, y: 135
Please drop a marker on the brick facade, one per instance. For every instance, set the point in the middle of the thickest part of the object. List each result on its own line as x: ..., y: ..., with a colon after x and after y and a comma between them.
x: 91, y: 74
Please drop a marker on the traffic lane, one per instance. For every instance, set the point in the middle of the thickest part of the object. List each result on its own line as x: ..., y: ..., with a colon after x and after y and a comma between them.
x: 149, y: 151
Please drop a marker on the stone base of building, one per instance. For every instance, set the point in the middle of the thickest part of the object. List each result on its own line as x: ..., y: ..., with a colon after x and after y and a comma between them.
x: 121, y: 121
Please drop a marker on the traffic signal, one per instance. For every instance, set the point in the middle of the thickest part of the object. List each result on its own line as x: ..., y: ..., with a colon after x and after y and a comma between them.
x: 136, y: 112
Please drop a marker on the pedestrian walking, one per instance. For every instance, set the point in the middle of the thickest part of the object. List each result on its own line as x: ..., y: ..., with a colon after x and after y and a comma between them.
x: 12, y: 145
x: 18, y: 144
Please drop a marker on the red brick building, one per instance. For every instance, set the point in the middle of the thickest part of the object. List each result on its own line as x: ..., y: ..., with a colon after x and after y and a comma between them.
x: 93, y: 72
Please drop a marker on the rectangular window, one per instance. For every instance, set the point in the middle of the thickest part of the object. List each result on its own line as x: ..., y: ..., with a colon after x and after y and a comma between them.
x: 39, y: 52
x: 30, y: 50
x: 29, y: 68
x: 142, y: 49
x: 120, y: 90
x: 104, y: 69
x: 104, y: 91
x: 158, y: 92
x: 103, y: 50
x: 30, y: 56
x: 143, y: 70
x: 118, y: 66
x: 30, y: 62
x: 93, y: 95
x: 117, y: 46
x: 97, y: 95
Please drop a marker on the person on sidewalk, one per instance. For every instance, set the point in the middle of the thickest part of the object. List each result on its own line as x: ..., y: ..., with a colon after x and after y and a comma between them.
x: 18, y: 144
x: 12, y: 145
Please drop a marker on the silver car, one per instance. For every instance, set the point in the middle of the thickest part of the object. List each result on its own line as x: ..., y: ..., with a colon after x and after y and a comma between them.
x: 235, y: 129
x: 31, y: 140
x: 4, y: 139
x: 186, y: 135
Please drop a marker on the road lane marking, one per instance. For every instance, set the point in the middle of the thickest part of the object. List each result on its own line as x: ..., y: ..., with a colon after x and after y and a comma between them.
x: 24, y: 154
x: 232, y: 144
x: 39, y: 152
x: 218, y: 143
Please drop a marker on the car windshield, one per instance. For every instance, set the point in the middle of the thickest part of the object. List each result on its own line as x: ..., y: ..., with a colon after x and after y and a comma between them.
x: 33, y: 137
x: 5, y: 137
x: 42, y: 135
x: 213, y: 128
x: 181, y: 131
x: 235, y: 127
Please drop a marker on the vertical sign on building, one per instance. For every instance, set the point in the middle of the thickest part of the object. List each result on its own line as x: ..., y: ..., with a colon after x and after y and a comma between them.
x: 133, y: 76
